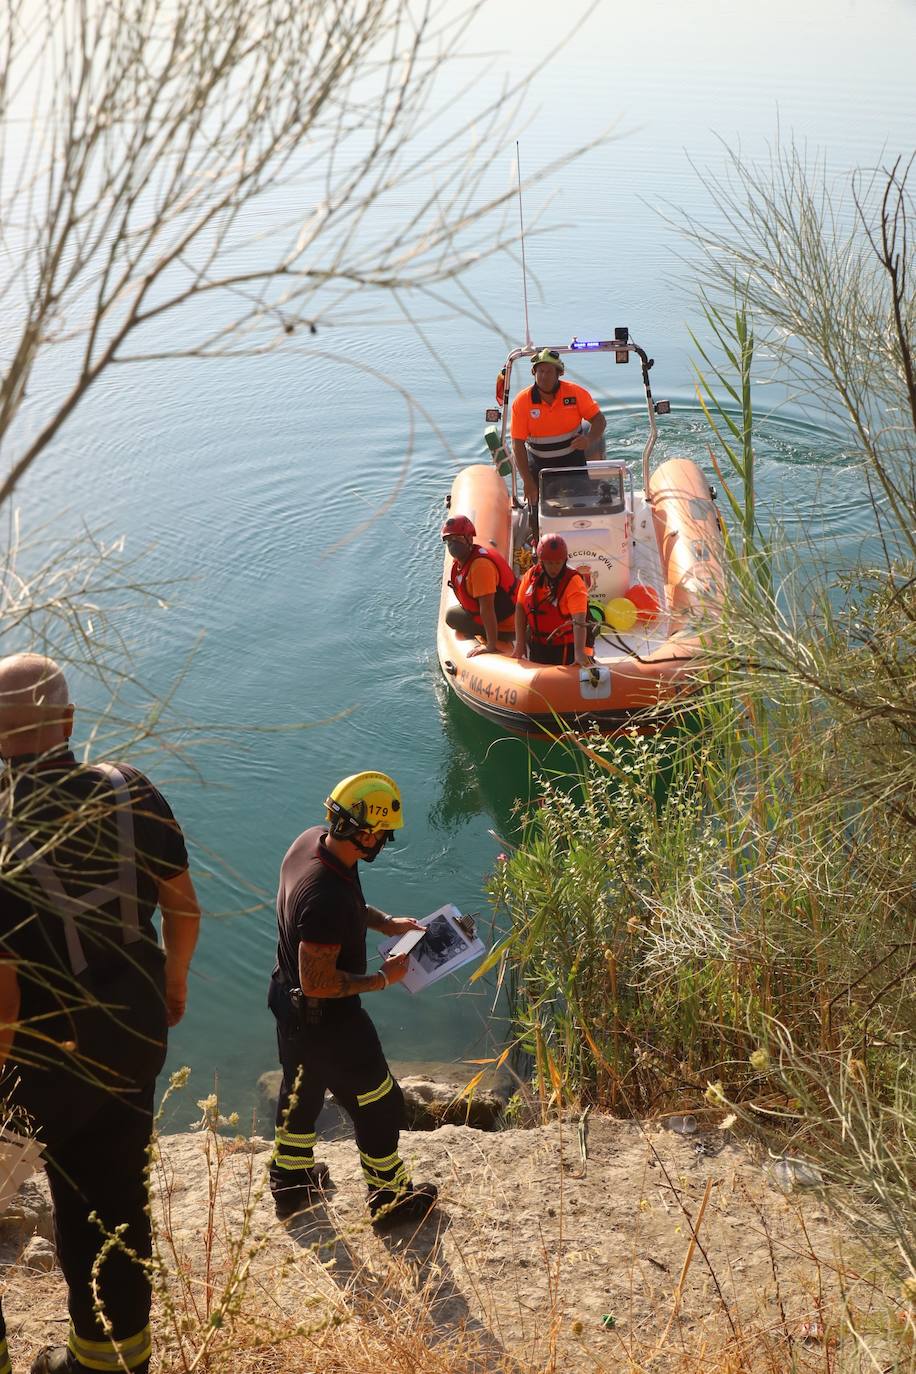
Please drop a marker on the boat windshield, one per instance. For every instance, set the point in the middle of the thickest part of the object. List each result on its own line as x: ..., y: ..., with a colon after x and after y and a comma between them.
x: 598, y: 489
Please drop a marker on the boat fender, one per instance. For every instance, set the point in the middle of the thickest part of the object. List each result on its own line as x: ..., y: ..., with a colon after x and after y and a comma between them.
x: 497, y: 452
x: 645, y: 599
x: 620, y: 614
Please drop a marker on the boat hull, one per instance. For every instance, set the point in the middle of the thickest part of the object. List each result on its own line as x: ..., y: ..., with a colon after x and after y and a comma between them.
x: 533, y: 698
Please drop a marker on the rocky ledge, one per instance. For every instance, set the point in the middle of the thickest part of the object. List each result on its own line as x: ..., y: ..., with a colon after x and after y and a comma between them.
x: 561, y: 1243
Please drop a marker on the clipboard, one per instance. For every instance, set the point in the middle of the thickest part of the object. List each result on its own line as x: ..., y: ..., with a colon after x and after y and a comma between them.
x: 453, y: 943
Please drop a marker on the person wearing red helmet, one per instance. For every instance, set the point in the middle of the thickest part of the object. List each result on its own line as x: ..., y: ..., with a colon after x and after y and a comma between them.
x: 484, y: 585
x: 551, y: 613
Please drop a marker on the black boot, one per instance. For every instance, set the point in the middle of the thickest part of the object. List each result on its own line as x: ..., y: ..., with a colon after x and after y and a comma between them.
x: 57, y: 1359
x: 305, y: 1189
x: 413, y: 1204
x: 54, y: 1359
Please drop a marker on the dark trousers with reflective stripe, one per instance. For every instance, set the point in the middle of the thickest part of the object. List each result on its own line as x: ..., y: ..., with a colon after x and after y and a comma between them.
x: 342, y: 1056
x: 100, y: 1166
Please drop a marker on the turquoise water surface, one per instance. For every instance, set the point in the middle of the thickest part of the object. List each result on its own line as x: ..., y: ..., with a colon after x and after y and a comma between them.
x: 292, y: 534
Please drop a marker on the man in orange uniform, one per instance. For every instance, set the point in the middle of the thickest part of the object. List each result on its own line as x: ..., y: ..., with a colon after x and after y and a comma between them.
x: 484, y: 584
x: 551, y: 614
x: 547, y: 423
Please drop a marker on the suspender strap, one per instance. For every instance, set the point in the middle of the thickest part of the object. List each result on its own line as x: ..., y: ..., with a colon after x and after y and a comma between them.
x: 123, y: 889
x: 127, y: 853
x: 53, y: 888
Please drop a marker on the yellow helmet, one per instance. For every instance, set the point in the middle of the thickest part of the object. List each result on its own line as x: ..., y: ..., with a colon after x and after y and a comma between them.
x: 364, y: 801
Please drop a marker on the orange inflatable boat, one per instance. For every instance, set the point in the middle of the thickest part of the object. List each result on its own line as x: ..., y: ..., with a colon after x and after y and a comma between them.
x: 652, y: 559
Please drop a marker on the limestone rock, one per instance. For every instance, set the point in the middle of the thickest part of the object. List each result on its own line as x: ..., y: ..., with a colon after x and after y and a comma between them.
x: 29, y: 1214
x: 578, y: 1224
x: 269, y: 1091
x: 333, y: 1122
x: 431, y: 1094
x: 39, y: 1254
x: 431, y: 1104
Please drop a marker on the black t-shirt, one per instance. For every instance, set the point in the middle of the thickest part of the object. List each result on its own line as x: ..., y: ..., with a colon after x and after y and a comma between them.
x: 319, y: 901
x: 66, y: 811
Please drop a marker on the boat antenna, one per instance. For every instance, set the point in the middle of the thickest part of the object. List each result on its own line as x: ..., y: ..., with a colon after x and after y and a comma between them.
x: 521, y: 221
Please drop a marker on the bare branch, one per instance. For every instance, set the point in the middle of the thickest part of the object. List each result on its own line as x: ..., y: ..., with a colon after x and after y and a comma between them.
x: 223, y: 171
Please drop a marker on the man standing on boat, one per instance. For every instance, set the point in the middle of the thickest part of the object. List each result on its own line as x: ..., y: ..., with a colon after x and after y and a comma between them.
x: 325, y: 1037
x: 484, y: 585
x: 547, y: 423
x: 551, y: 614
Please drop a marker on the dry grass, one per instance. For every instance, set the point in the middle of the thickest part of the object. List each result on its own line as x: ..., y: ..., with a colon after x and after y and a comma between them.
x: 702, y: 1266
x: 702, y: 1263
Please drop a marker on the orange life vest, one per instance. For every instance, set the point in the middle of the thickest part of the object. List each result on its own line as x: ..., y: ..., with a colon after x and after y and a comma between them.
x: 541, y: 604
x: 504, y: 603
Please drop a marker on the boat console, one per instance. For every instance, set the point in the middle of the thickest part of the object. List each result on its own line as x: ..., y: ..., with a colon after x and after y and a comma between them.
x: 588, y: 506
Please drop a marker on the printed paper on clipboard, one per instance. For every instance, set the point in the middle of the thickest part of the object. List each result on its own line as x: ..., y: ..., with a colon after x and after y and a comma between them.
x: 445, y: 948
x: 406, y: 944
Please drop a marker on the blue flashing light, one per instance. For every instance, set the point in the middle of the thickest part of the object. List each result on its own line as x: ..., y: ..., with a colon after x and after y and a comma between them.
x: 578, y: 345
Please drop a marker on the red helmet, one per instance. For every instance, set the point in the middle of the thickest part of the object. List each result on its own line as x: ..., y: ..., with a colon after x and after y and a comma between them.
x: 458, y: 527
x: 553, y: 548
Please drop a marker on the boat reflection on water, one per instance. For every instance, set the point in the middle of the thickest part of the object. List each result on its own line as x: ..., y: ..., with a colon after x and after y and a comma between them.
x: 484, y: 770
x: 487, y: 770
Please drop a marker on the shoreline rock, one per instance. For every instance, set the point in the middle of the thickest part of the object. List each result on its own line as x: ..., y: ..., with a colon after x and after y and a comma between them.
x: 432, y: 1094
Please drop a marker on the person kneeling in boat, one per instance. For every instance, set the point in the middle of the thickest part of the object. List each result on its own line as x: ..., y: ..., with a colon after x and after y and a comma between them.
x: 484, y: 584
x: 551, y: 613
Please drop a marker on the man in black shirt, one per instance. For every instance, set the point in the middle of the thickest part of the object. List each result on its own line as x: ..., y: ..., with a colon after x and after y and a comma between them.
x: 86, y: 996
x: 325, y: 1039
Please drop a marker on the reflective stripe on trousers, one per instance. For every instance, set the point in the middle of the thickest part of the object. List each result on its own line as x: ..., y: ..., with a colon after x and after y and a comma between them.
x: 389, y: 1171
x: 293, y: 1151
x: 133, y: 1351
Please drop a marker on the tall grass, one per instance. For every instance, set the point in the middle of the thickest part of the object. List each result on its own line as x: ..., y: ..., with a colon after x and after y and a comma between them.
x: 746, y: 932
x: 728, y: 406
x: 652, y: 940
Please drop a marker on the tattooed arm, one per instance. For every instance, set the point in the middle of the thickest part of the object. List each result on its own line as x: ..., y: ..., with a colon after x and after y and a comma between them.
x: 319, y: 975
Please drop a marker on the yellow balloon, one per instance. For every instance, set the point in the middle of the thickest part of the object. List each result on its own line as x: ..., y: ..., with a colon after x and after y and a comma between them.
x: 620, y: 613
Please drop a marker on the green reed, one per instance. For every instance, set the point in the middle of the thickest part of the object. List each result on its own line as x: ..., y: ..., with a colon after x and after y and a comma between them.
x: 745, y: 932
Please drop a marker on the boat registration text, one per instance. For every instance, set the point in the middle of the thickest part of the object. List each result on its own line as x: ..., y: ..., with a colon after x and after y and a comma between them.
x: 499, y: 696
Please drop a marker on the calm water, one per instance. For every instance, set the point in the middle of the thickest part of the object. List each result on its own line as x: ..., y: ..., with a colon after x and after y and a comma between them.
x: 250, y: 487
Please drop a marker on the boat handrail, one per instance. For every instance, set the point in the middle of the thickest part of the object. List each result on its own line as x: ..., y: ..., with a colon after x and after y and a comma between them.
x: 622, y: 346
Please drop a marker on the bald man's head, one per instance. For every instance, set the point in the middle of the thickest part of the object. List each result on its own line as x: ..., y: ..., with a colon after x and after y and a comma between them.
x: 35, y: 711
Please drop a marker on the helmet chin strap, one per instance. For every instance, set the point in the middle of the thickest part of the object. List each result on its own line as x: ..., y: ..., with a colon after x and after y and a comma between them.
x: 370, y: 852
